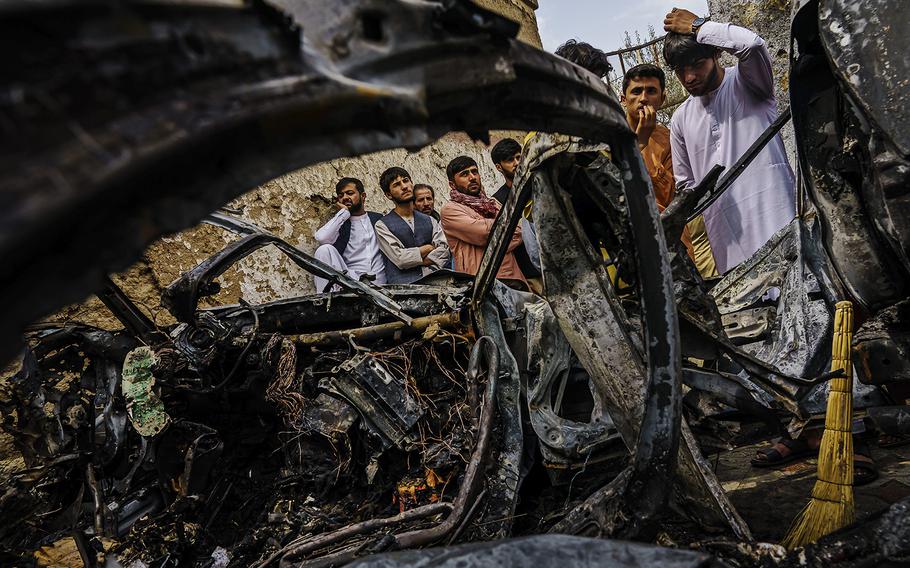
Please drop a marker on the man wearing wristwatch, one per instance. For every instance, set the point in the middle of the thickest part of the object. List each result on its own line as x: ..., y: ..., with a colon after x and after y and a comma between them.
x: 727, y: 111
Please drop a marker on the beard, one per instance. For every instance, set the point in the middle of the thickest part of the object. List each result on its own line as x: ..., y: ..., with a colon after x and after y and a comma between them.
x: 710, y: 83
x: 471, y: 189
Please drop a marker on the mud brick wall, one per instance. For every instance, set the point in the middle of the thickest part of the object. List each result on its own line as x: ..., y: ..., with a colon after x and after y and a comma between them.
x: 521, y: 11
x: 293, y: 206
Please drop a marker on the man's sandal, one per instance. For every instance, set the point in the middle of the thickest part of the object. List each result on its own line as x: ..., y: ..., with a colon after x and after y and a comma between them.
x: 892, y: 440
x: 784, y: 451
x: 865, y: 469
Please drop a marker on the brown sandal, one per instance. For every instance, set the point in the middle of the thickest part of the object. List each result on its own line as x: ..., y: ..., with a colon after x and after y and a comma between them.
x: 773, y: 457
x: 865, y: 470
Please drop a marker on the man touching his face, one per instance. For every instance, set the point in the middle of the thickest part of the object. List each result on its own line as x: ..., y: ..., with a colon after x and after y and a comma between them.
x: 348, y: 241
x: 727, y: 110
x: 643, y: 92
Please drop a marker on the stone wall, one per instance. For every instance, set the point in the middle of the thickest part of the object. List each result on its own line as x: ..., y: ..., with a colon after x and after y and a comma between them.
x: 293, y: 207
x: 521, y: 11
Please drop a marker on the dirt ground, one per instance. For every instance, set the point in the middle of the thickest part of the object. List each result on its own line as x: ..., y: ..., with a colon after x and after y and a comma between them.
x: 769, y: 499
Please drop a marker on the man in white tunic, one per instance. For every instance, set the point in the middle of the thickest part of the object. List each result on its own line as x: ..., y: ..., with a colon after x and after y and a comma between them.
x: 727, y: 111
x: 348, y: 241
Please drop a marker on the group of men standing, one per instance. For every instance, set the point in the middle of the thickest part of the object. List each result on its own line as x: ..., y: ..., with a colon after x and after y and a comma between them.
x: 413, y: 240
x: 727, y: 110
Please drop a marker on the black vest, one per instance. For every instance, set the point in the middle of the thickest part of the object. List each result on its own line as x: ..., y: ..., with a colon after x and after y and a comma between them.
x: 422, y: 235
x: 344, y: 234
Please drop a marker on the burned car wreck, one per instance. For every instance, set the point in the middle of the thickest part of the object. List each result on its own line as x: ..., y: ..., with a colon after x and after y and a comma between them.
x: 443, y: 417
x: 215, y: 404
x: 243, y: 416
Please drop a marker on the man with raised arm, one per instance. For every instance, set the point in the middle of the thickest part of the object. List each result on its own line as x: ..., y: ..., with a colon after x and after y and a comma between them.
x: 728, y: 109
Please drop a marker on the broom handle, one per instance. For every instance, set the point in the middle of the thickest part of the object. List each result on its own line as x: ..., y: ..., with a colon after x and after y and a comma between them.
x: 832, y: 505
x: 839, y: 414
x: 841, y: 360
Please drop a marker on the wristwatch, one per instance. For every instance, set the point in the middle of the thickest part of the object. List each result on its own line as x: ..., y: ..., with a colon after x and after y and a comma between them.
x: 697, y: 23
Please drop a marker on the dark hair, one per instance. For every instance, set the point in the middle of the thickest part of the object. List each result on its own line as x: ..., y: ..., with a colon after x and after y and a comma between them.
x: 346, y: 181
x: 585, y: 55
x: 504, y: 149
x: 458, y: 164
x: 424, y: 186
x: 390, y: 175
x: 644, y: 70
x: 682, y: 49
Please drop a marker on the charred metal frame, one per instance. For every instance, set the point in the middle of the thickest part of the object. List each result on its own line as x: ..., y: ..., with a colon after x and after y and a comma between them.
x: 181, y: 297
x: 563, y: 441
x: 851, y: 122
x: 252, y: 83
x: 593, y: 321
x: 370, y: 75
x: 345, y: 73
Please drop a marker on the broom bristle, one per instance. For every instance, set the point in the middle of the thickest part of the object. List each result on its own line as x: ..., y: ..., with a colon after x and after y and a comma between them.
x: 832, y: 505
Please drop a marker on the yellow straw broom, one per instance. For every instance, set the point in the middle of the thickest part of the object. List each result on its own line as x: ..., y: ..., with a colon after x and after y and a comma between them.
x: 831, y: 507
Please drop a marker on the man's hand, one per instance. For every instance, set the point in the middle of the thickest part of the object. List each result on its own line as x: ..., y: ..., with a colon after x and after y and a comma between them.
x: 632, y: 118
x: 339, y: 205
x: 425, y: 250
x: 647, y: 120
x: 679, y: 21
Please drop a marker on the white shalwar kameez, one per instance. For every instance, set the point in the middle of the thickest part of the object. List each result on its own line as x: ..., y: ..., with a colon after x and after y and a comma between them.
x: 361, y: 255
x: 718, y: 128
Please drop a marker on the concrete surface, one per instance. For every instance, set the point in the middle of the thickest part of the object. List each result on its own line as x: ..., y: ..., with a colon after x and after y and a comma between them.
x: 769, y: 499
